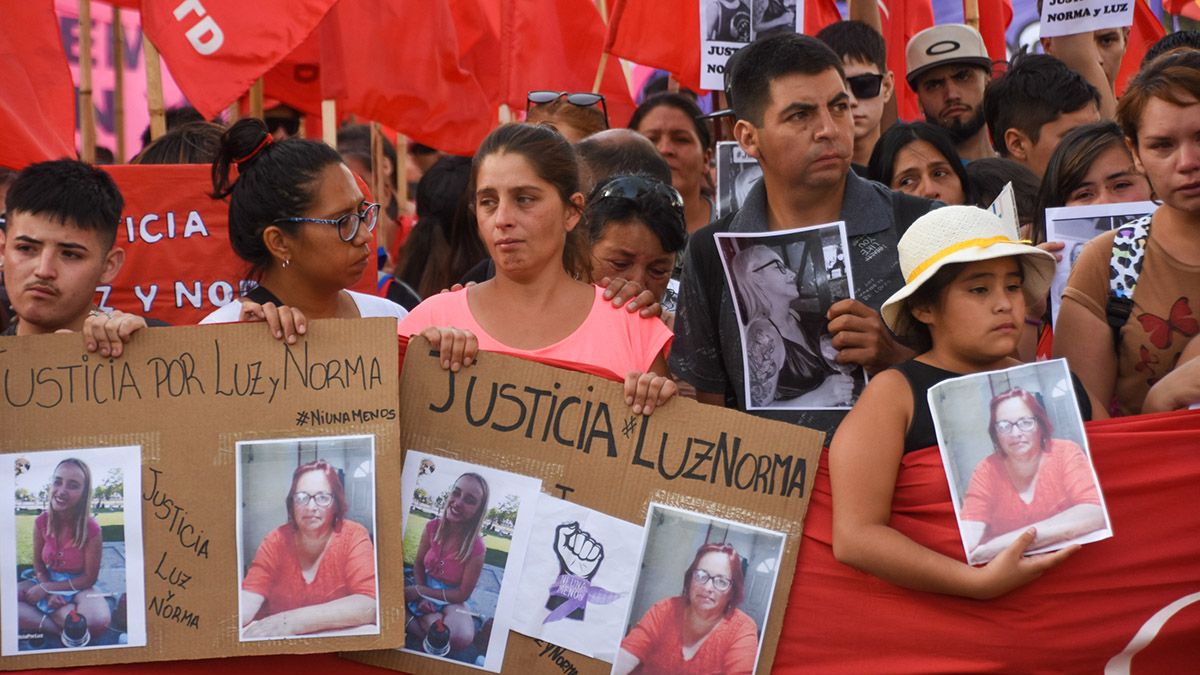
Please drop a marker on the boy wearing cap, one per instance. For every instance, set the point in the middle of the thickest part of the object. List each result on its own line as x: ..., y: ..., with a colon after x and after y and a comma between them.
x: 793, y: 116
x: 948, y: 68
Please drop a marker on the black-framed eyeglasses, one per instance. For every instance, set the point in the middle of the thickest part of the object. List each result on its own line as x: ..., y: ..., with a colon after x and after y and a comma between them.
x: 582, y: 99
x: 637, y: 187
x: 347, y: 225
x: 719, y: 583
x: 1024, y: 424
x: 866, y: 85
x: 323, y: 499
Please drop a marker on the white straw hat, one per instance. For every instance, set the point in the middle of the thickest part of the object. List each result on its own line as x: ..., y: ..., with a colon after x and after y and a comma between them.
x: 960, y: 234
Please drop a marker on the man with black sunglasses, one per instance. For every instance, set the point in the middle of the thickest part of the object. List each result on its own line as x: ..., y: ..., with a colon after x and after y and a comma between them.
x: 864, y: 58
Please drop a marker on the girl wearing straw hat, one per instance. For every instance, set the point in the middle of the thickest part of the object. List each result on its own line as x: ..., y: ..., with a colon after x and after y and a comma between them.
x: 963, y: 306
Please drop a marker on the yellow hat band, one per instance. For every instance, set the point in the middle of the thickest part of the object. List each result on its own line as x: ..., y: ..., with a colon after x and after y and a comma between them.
x: 959, y: 246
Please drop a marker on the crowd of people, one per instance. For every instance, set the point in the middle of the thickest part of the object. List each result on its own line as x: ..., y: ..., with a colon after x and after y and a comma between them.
x: 596, y: 249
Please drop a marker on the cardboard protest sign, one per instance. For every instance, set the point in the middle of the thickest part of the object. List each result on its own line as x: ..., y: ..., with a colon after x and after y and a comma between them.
x: 197, y: 409
x: 1016, y: 456
x: 179, y: 266
x: 728, y: 25
x: 575, y: 433
x: 1068, y: 17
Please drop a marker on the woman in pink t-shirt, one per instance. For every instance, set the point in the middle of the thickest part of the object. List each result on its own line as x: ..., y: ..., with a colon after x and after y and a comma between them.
x: 525, y: 192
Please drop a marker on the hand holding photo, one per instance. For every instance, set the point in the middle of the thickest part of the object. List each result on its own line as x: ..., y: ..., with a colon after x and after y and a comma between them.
x: 783, y: 284
x: 1013, y: 445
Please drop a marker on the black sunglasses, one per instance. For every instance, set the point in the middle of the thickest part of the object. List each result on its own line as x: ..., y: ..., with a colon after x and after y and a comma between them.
x: 635, y: 188
x: 581, y: 99
x: 865, y: 86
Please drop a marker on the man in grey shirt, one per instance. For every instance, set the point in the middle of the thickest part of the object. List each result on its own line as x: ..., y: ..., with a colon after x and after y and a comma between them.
x: 793, y: 115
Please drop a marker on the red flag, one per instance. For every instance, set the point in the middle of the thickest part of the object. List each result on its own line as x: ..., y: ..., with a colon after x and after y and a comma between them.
x: 819, y: 14
x: 296, y: 80
x: 1077, y: 618
x: 404, y: 71
x: 179, y: 264
x: 994, y: 19
x: 903, y: 19
x: 565, y: 54
x: 1145, y: 31
x: 1185, y: 8
x: 658, y: 33
x: 37, y: 107
x: 217, y: 48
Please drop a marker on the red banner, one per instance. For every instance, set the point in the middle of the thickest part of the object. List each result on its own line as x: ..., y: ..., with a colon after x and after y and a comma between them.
x: 1078, y: 618
x: 37, y: 103
x: 659, y: 33
x: 902, y: 19
x: 217, y: 48
x: 179, y: 265
x: 1145, y: 31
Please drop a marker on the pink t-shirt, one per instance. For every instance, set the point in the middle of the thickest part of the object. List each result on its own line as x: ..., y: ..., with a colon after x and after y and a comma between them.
x: 63, y: 556
x: 610, y: 342
x: 444, y: 565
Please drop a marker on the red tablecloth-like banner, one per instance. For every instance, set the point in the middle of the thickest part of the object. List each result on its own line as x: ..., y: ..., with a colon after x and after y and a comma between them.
x: 1081, y: 617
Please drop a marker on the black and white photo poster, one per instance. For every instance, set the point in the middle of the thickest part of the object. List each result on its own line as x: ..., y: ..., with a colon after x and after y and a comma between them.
x: 737, y: 172
x: 728, y: 25
x: 783, y: 284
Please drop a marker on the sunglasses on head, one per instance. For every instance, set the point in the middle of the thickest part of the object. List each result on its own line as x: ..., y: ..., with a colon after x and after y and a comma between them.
x: 581, y: 99
x: 866, y: 85
x: 635, y: 188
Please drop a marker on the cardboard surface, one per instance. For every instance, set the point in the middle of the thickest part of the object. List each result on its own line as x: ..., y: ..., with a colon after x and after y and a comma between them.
x: 187, y: 396
x: 575, y: 433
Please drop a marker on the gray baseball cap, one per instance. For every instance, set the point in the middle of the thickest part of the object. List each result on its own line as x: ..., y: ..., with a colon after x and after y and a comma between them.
x: 940, y: 45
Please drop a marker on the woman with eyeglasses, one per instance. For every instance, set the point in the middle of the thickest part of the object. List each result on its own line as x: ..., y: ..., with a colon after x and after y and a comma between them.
x: 298, y: 217
x: 636, y: 229
x: 699, y: 631
x: 314, y: 573
x: 671, y: 121
x: 540, y: 304
x: 1030, y: 480
x: 919, y: 159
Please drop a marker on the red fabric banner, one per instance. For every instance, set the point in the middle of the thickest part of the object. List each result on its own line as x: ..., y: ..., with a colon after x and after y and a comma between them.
x: 1145, y: 31
x: 903, y: 19
x: 404, y: 71
x: 994, y: 19
x: 1077, y: 618
x: 217, y: 48
x: 565, y: 54
x: 296, y: 80
x: 819, y: 14
x: 179, y: 265
x: 37, y: 107
x: 658, y: 33
x: 1185, y: 8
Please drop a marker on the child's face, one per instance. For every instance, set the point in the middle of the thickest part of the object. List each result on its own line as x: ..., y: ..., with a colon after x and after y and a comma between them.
x: 980, y: 314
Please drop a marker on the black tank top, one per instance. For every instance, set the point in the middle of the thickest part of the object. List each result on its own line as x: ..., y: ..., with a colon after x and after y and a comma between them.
x: 922, y: 376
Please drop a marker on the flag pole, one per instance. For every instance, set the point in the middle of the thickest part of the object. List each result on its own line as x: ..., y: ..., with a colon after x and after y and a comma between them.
x: 87, y: 111
x: 256, y: 99
x: 971, y: 13
x: 329, y: 122
x: 118, y: 38
x: 402, y: 173
x: 154, y: 90
x: 600, y: 73
x: 379, y: 181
